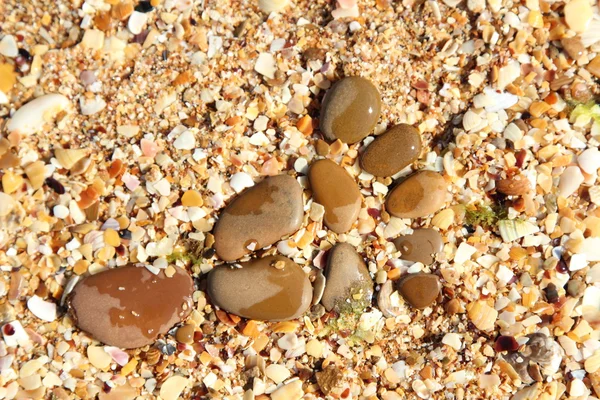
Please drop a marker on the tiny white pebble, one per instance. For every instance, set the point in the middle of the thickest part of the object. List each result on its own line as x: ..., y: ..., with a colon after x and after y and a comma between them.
x: 260, y: 123
x: 185, y: 141
x: 8, y: 46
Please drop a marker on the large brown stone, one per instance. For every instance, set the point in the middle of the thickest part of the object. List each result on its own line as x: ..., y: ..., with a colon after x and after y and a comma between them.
x: 420, y: 246
x: 129, y: 307
x: 259, y: 217
x: 273, y: 288
x: 419, y: 290
x: 419, y: 195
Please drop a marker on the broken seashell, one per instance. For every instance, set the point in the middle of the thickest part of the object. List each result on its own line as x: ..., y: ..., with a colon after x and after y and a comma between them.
x: 69, y: 157
x: 36, y: 172
x: 384, y: 300
x: 272, y: 5
x: 32, y: 117
x: 42, y: 309
x: 511, y: 229
x: 319, y: 288
x: 7, y: 204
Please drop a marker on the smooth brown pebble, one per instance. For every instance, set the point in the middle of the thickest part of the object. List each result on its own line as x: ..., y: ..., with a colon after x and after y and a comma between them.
x: 185, y: 333
x: 129, y: 306
x: 347, y: 277
x: 259, y: 217
x: 420, y: 246
x: 392, y: 151
x: 335, y: 190
x: 419, y: 290
x: 350, y: 110
x: 273, y: 288
x: 419, y: 195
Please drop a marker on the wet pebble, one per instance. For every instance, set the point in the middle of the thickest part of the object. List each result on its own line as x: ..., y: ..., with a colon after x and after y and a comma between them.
x: 259, y: 217
x: 335, y: 189
x: 350, y: 110
x: 129, y: 306
x: 185, y: 333
x: 273, y: 288
x: 419, y: 195
x: 419, y: 290
x: 392, y: 151
x: 348, y: 280
x: 420, y: 246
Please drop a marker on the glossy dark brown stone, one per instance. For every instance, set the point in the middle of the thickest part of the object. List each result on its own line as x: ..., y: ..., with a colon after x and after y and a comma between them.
x: 392, y: 151
x: 347, y: 278
x: 259, y: 217
x: 350, y: 110
x: 419, y: 195
x: 335, y: 189
x: 273, y: 288
x: 129, y: 306
x: 419, y: 290
x: 420, y: 246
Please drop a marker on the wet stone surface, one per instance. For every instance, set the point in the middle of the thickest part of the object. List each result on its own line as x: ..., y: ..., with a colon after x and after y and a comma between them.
x: 129, y: 306
x: 420, y: 246
x: 419, y: 195
x: 273, y: 288
x: 350, y: 110
x: 419, y: 290
x: 348, y: 279
x: 337, y: 191
x: 259, y: 217
x: 392, y: 151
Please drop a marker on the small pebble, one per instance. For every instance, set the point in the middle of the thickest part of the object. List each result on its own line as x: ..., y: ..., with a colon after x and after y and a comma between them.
x: 390, y: 152
x: 137, y: 21
x: 421, y: 194
x: 60, y: 211
x: 420, y: 246
x: 9, y: 47
x: 419, y: 290
x: 185, y: 334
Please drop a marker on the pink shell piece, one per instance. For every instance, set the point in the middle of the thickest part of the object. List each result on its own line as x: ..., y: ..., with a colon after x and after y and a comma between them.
x: 345, y: 4
x: 149, y: 148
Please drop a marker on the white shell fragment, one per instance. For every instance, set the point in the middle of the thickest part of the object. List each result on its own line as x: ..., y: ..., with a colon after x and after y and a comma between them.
x: 32, y: 117
x: 265, y: 65
x: 272, y: 5
x: 7, y: 204
x: 511, y: 229
x: 42, y: 309
x: 8, y: 46
x: 136, y: 22
x: 241, y: 181
x: 570, y: 180
x: 589, y: 160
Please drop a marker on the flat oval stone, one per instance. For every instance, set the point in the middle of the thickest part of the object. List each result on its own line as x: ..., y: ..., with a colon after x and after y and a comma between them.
x: 390, y: 152
x: 420, y: 246
x: 419, y: 290
x: 273, y: 288
x: 335, y: 189
x: 259, y: 217
x: 347, y: 277
x: 421, y: 194
x: 129, y: 306
x: 350, y: 110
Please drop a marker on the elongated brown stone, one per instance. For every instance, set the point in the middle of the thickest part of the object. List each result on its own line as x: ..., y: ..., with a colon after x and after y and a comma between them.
x: 350, y: 110
x: 270, y: 289
x: 129, y: 307
x: 259, y: 217
x: 335, y: 189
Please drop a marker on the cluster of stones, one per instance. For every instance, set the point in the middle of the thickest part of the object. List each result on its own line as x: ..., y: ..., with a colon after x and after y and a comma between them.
x: 140, y: 305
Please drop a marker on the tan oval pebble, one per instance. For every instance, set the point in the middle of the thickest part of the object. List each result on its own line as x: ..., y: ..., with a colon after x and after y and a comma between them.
x: 419, y: 290
x: 273, y: 288
x: 421, y: 194
x: 392, y: 151
x: 129, y: 306
x: 348, y: 281
x: 185, y: 334
x: 335, y: 190
x: 420, y: 246
x: 259, y: 217
x: 350, y: 110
